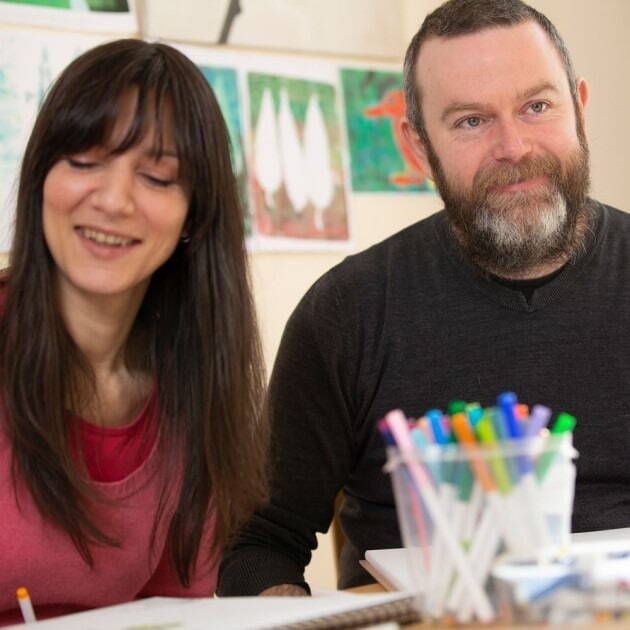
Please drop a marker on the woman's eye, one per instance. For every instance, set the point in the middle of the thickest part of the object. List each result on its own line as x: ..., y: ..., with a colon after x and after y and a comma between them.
x: 158, y: 181
x: 81, y: 164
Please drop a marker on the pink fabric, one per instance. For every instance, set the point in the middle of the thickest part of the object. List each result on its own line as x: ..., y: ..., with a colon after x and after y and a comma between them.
x: 36, y: 554
x: 113, y: 453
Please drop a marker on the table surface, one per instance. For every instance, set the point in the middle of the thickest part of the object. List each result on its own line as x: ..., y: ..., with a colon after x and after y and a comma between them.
x: 377, y: 588
x: 611, y: 534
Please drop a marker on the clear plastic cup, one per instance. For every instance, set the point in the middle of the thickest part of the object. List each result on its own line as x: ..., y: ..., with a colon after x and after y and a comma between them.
x: 461, y: 507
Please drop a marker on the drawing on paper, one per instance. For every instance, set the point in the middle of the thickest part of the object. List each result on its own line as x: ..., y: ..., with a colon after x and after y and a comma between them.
x: 109, y: 16
x: 29, y: 61
x: 296, y: 174
x: 225, y: 86
x: 380, y: 158
x: 117, y: 6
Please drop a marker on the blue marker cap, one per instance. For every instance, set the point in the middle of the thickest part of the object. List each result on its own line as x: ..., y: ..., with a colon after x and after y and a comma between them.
x: 507, y: 402
x: 474, y: 413
x: 435, y: 419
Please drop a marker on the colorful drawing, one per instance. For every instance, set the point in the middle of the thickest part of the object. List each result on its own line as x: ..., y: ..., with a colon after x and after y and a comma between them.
x: 78, y: 5
x: 29, y: 61
x: 296, y: 173
x: 381, y: 159
x: 225, y: 86
x: 99, y: 15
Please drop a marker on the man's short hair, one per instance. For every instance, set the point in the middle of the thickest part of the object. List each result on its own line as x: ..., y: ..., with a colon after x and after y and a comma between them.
x: 462, y: 17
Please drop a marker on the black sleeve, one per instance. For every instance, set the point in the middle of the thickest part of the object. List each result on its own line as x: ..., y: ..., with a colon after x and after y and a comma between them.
x: 311, y: 446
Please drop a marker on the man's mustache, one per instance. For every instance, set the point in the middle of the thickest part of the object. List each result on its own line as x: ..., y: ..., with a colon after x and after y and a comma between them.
x: 489, y: 178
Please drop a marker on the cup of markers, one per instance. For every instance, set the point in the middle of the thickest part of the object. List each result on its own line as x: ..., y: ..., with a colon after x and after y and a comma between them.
x: 472, y: 484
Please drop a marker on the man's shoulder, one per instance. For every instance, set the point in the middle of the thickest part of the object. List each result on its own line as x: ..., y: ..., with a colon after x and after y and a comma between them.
x: 615, y: 216
x: 396, y: 262
x: 403, y: 249
x: 613, y: 227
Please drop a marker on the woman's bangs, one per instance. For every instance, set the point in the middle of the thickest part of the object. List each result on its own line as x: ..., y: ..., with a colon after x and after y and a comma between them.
x: 86, y: 123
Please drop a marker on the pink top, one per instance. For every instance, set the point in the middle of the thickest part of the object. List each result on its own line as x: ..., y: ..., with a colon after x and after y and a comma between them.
x: 112, y: 453
x: 36, y: 554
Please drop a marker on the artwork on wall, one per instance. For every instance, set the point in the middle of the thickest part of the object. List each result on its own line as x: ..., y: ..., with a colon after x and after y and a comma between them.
x: 224, y: 82
x: 112, y: 16
x: 297, y: 178
x: 380, y: 158
x: 290, y: 154
x: 29, y: 61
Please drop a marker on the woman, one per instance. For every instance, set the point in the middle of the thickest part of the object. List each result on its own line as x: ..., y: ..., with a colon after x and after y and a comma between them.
x: 131, y: 438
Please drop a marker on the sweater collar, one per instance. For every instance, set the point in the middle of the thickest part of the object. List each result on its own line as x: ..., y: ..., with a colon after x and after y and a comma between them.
x: 512, y: 297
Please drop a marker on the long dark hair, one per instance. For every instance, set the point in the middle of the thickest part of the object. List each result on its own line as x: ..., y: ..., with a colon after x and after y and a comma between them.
x: 195, y: 332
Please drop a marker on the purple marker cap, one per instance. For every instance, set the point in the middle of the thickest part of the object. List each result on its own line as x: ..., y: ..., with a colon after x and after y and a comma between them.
x: 538, y: 419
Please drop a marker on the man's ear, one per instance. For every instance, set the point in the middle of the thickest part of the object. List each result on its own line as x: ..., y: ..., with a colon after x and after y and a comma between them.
x: 416, y: 145
x: 583, y: 94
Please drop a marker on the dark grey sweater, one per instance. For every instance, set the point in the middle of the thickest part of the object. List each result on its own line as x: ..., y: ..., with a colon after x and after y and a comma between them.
x: 410, y: 324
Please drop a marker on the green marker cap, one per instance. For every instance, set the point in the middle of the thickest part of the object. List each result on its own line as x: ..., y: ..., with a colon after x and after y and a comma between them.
x: 456, y: 406
x: 564, y: 423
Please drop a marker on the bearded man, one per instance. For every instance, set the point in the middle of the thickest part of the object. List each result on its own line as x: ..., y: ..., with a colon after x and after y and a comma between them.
x: 521, y: 283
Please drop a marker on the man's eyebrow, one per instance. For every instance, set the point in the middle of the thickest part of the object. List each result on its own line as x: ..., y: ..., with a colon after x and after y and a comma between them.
x: 545, y: 86
x: 460, y: 106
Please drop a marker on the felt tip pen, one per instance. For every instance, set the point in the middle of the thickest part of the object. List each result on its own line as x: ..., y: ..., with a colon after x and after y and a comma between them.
x: 435, y: 419
x: 487, y: 436
x: 564, y: 424
x: 26, y: 605
x: 456, y: 406
x: 538, y: 420
x: 474, y: 413
x: 507, y: 403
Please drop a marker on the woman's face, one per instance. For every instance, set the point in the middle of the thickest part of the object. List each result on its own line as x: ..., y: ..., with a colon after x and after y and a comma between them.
x: 111, y: 220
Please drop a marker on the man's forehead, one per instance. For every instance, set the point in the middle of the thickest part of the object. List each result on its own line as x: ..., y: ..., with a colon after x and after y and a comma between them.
x: 516, y: 54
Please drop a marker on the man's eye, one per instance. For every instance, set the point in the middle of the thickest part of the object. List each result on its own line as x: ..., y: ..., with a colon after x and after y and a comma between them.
x: 470, y: 122
x: 539, y: 107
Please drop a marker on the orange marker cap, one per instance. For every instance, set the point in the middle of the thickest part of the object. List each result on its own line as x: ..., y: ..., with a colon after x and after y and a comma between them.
x: 21, y: 593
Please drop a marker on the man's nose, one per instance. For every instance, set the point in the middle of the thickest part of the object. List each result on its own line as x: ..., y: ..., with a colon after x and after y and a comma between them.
x: 511, y: 141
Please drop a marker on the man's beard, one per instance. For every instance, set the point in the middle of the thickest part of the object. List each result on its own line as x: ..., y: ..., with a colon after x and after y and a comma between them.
x: 513, y: 233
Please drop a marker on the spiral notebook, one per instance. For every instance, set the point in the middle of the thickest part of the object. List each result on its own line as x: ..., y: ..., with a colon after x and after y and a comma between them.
x: 338, y: 610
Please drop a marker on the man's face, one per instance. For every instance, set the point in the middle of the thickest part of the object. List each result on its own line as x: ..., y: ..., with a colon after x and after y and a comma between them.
x: 505, y: 148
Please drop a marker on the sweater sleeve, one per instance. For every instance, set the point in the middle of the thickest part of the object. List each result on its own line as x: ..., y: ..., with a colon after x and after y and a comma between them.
x: 311, y: 447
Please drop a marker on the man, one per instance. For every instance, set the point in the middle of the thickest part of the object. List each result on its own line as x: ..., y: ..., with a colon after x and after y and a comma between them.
x: 522, y: 283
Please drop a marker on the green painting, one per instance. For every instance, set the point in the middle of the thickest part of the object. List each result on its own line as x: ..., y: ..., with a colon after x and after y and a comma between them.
x: 29, y: 61
x: 297, y: 176
x: 118, y: 6
x: 224, y: 84
x: 380, y: 158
